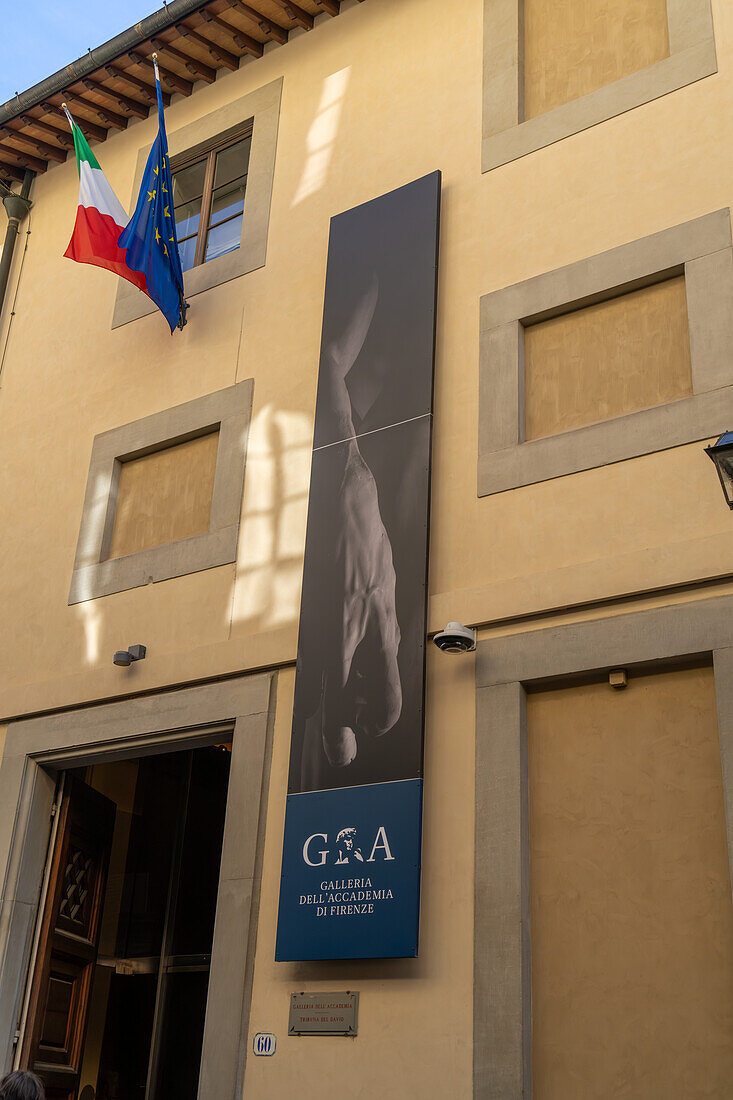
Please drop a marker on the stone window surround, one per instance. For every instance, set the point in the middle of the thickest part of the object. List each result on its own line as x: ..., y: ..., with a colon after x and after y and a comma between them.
x: 263, y: 107
x: 37, y: 749
x: 508, y: 136
x: 95, y: 574
x: 701, y: 249
x: 506, y: 667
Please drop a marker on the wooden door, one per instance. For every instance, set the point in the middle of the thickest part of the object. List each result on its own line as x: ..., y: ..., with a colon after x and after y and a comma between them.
x: 61, y: 983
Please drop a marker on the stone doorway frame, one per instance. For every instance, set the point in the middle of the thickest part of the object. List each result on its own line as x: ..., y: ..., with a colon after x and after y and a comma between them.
x: 37, y: 749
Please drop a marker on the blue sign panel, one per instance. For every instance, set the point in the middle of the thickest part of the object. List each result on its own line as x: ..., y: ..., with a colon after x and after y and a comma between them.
x: 351, y: 873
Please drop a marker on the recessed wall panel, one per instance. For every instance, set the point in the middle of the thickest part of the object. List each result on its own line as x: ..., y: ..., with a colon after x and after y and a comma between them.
x: 630, y: 913
x: 165, y: 496
x: 572, y: 47
x: 606, y: 360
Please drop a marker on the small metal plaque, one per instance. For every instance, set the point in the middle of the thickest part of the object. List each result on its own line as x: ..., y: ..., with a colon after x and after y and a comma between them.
x: 323, y: 1013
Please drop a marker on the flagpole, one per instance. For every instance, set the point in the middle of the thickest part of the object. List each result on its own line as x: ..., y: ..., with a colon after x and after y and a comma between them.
x: 154, y: 56
x: 67, y: 112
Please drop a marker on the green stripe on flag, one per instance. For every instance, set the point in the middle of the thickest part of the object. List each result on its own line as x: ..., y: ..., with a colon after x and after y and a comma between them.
x: 83, y: 152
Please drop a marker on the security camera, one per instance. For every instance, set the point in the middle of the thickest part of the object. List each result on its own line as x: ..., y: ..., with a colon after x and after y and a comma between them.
x: 456, y: 639
x: 125, y: 657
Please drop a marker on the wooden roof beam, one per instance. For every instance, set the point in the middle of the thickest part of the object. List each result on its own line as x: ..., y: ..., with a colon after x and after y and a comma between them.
x: 239, y: 38
x: 230, y: 60
x: 118, y: 121
x: 198, y: 68
x: 267, y: 26
x: 63, y: 137
x: 332, y: 7
x: 90, y: 129
x: 302, y: 18
x: 147, y: 91
x: 178, y: 83
x: 12, y: 171
x: 35, y: 163
x: 49, y: 151
x: 133, y: 105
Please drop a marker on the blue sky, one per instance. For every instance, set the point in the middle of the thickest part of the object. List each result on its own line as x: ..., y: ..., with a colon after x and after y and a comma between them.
x: 41, y: 36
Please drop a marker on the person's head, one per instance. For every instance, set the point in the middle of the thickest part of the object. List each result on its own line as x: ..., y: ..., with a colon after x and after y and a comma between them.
x: 21, y: 1085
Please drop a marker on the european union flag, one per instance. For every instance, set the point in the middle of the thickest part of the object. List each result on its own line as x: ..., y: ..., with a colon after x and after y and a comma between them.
x: 150, y: 236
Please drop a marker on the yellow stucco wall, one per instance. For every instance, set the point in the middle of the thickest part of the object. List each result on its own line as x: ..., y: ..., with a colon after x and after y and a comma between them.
x: 383, y: 94
x: 350, y: 128
x: 415, y: 1017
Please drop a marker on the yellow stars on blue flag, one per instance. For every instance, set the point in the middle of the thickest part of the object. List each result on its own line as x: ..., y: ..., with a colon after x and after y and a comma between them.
x: 152, y: 228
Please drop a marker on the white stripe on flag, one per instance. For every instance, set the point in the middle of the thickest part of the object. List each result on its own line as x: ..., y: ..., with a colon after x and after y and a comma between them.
x: 95, y: 191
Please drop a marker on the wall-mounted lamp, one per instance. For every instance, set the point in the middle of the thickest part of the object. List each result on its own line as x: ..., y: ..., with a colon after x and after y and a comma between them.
x: 125, y: 657
x: 722, y: 455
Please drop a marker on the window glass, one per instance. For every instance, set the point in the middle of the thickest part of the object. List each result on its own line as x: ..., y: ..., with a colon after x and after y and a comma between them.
x: 232, y: 162
x: 187, y: 218
x: 188, y: 183
x: 224, y: 238
x: 227, y: 201
x: 208, y: 200
x: 187, y: 252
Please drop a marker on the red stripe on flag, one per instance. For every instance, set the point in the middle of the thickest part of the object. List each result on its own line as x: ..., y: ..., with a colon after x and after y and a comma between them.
x: 94, y: 241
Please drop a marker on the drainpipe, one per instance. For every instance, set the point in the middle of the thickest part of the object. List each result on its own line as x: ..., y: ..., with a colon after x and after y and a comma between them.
x: 16, y: 206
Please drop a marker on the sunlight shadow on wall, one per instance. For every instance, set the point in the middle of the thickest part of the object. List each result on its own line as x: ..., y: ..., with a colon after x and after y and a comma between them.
x: 322, y: 134
x: 89, y: 611
x: 272, y: 535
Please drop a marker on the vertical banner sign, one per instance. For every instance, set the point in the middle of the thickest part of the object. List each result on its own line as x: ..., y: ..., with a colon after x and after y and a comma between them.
x: 350, y: 884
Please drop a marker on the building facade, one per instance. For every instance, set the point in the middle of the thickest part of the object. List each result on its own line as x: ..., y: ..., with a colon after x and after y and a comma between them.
x: 576, y: 930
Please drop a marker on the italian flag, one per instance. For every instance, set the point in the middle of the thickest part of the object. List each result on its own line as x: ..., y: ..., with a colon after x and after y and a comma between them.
x: 100, y: 217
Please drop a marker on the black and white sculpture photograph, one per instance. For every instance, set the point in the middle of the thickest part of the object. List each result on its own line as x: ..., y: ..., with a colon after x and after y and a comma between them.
x: 359, y: 685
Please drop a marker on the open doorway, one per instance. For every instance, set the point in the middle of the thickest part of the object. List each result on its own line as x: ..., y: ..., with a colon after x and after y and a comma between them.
x: 117, y: 994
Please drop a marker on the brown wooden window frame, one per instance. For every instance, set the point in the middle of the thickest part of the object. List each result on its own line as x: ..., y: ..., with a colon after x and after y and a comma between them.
x: 208, y: 152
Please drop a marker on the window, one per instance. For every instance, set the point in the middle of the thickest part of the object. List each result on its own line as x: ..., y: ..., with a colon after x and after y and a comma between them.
x: 208, y: 199
x: 223, y: 165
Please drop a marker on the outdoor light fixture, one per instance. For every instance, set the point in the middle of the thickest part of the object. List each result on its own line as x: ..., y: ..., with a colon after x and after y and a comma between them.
x: 125, y: 657
x: 722, y: 455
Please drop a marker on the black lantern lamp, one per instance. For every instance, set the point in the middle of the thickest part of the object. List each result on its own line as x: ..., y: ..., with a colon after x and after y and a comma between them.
x: 722, y: 455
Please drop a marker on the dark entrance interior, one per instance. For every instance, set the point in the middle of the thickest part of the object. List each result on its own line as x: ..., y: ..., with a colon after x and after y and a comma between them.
x: 118, y: 992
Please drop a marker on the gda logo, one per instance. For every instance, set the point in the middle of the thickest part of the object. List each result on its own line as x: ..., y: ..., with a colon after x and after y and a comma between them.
x: 347, y: 848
